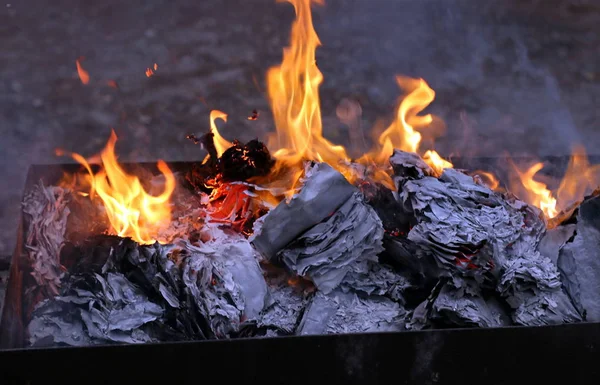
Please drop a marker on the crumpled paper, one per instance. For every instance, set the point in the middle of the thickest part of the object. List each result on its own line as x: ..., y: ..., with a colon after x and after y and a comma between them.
x: 95, y: 309
x: 324, y: 190
x: 458, y: 303
x: 322, y: 231
x: 328, y: 251
x: 339, y: 312
x: 46, y: 214
x: 479, y: 235
x: 579, y: 262
x: 196, y: 292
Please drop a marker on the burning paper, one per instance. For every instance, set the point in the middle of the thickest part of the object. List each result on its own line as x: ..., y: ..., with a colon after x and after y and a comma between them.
x: 323, y: 231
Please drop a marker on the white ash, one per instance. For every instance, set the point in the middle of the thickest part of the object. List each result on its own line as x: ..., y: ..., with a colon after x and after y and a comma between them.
x: 226, y: 282
x: 339, y: 312
x: 459, y: 303
x: 374, y: 278
x: 329, y: 250
x: 109, y: 309
x: 579, y: 263
x: 284, y: 306
x: 46, y: 214
x: 482, y: 235
x: 197, y: 292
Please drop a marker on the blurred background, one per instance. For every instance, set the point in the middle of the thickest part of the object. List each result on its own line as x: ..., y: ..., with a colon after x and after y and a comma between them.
x: 521, y: 76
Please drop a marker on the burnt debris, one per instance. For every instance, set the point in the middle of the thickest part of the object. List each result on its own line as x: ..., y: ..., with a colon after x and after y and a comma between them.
x: 440, y: 251
x: 238, y: 163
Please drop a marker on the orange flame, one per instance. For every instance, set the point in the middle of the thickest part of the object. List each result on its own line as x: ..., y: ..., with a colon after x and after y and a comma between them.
x: 580, y: 179
x: 293, y: 90
x: 149, y: 72
x: 403, y: 133
x: 84, y: 76
x: 131, y: 210
x: 537, y: 193
x: 221, y: 143
x: 487, y: 178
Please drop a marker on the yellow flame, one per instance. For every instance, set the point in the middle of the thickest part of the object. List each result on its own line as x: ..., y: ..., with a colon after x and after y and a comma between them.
x: 293, y: 90
x: 580, y: 179
x: 436, y: 162
x: 221, y: 143
x: 538, y: 193
x: 131, y: 210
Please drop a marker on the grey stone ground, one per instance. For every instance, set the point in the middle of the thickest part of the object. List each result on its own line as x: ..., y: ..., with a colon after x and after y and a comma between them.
x: 519, y: 76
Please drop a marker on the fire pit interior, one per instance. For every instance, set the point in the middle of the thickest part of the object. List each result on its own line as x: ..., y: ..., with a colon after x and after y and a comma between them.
x: 293, y: 235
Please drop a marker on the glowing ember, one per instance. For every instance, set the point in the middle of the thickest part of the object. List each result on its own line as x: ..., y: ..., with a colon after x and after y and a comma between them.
x: 131, y: 210
x: 83, y: 74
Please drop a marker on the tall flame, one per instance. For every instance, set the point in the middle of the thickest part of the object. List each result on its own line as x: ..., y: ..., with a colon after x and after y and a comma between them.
x: 131, y: 210
x: 293, y: 90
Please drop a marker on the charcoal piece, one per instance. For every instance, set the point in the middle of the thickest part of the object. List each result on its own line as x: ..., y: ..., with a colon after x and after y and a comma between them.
x: 409, y: 165
x: 329, y: 250
x: 579, y: 260
x: 323, y: 192
x: 531, y: 286
x: 339, y: 312
x: 46, y: 213
x: 242, y: 162
x: 373, y: 278
x: 405, y: 253
x: 387, y: 207
x: 109, y: 309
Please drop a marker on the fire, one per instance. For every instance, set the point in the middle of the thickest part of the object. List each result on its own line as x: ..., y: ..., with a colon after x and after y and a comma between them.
x: 221, y: 143
x: 537, y: 192
x: 293, y: 91
x: 403, y: 133
x: 580, y: 179
x: 131, y: 210
x: 437, y: 163
x: 84, y: 76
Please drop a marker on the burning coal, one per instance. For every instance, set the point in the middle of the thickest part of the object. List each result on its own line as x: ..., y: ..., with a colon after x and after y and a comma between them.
x: 297, y: 237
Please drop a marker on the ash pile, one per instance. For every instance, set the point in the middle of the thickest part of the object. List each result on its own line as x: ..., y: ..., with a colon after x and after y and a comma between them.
x: 441, y: 251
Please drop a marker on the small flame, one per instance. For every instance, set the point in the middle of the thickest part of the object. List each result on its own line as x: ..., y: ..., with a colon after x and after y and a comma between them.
x: 437, y: 163
x: 487, y: 178
x: 149, y: 72
x: 221, y: 143
x: 580, y: 179
x: 538, y: 193
x: 155, y: 66
x: 132, y: 211
x: 84, y: 76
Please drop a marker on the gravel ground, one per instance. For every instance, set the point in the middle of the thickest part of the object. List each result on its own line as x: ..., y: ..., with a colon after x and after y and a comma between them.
x: 517, y: 76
